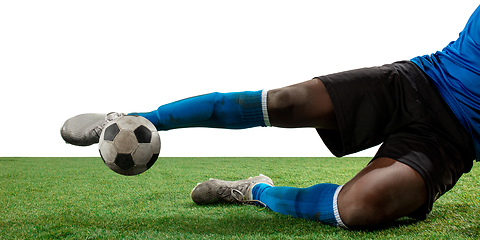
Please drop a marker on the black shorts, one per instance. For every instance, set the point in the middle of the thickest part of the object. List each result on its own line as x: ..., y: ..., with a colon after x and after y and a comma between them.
x: 397, y: 105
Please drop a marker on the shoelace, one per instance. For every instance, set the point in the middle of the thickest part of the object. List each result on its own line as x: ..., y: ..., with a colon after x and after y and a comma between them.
x: 243, y: 201
x: 108, y: 118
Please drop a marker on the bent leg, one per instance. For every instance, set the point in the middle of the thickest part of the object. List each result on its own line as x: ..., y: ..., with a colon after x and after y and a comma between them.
x: 383, y: 191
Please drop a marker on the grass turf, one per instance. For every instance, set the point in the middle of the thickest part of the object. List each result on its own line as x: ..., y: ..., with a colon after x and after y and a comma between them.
x: 80, y: 198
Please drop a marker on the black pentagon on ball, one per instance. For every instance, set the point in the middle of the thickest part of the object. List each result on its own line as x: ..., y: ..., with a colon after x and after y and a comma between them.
x: 111, y: 132
x: 124, y: 161
x: 143, y: 134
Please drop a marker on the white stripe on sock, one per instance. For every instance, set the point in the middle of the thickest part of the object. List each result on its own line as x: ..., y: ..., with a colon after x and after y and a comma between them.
x: 266, y: 119
x: 335, y: 208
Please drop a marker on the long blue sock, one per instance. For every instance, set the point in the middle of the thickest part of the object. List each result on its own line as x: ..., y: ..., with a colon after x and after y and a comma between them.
x: 314, y: 203
x: 237, y: 110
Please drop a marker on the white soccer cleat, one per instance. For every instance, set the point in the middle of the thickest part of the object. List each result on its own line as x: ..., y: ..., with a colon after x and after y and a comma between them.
x: 215, y: 190
x: 85, y: 129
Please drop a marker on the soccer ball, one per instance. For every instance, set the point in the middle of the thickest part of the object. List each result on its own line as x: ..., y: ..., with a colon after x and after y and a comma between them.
x: 129, y: 145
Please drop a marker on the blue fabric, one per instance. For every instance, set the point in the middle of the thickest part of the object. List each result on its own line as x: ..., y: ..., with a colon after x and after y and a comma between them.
x: 456, y: 72
x: 313, y: 203
x: 237, y: 110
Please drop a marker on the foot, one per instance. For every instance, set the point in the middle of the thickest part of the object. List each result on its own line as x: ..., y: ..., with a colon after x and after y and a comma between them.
x: 85, y: 129
x: 215, y: 190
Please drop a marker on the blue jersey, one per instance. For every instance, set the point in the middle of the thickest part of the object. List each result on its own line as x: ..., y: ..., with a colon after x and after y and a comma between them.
x: 456, y: 72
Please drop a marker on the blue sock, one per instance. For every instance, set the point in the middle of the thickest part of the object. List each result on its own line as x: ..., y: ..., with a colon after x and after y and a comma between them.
x: 236, y: 110
x: 314, y: 203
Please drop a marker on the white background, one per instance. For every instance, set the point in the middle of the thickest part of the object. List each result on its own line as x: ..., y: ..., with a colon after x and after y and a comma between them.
x: 62, y: 58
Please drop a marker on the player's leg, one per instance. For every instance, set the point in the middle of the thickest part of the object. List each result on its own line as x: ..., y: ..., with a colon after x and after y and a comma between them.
x: 383, y: 191
x: 235, y: 110
x: 428, y: 162
x: 302, y: 105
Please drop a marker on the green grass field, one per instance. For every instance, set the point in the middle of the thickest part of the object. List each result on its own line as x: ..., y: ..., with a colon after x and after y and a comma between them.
x: 80, y: 198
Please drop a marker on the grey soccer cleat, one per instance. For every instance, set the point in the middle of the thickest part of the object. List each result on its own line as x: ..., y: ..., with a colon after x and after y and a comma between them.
x: 85, y: 129
x: 215, y: 190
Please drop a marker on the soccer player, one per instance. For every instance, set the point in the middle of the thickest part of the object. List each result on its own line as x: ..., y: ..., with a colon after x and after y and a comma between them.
x: 425, y: 112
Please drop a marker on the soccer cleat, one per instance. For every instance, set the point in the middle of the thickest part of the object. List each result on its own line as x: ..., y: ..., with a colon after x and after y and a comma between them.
x: 215, y: 190
x: 85, y: 129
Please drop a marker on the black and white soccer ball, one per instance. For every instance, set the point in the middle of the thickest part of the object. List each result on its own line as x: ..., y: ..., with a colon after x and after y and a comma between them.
x: 129, y: 145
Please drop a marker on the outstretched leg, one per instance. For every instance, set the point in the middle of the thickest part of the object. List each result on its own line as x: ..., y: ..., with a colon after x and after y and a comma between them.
x: 301, y: 105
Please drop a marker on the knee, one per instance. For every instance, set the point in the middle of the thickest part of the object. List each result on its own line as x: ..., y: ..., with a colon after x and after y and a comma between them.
x: 284, y: 106
x: 284, y: 99
x: 305, y: 104
x: 383, y: 191
x: 365, y: 209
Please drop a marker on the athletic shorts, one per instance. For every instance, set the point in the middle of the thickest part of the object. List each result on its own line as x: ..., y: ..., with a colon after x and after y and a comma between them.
x: 396, y: 105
